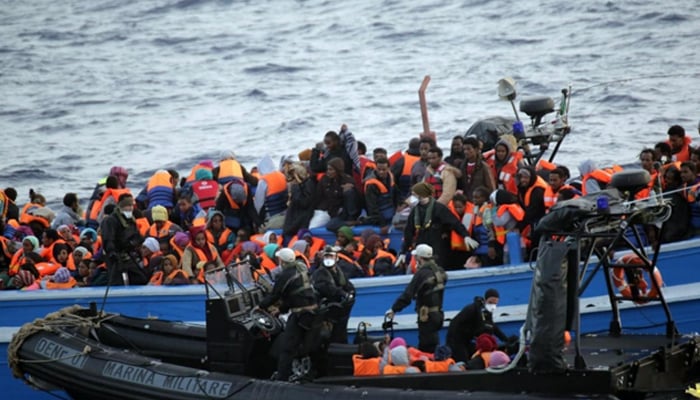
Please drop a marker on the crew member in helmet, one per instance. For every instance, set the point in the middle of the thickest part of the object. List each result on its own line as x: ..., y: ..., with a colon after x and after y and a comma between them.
x: 333, y: 287
x: 428, y: 288
x: 293, y: 289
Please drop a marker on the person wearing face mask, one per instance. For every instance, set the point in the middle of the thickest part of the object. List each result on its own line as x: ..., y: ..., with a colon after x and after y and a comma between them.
x: 431, y: 223
x: 472, y: 321
x: 121, y: 242
x: 332, y: 286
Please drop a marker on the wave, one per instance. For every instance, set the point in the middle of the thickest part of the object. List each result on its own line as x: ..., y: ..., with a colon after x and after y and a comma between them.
x: 271, y: 68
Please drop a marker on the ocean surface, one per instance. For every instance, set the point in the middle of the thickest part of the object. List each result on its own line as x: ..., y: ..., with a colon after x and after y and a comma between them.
x: 153, y: 84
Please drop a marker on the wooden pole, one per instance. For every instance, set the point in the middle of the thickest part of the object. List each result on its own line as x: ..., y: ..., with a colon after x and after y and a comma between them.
x: 424, y: 109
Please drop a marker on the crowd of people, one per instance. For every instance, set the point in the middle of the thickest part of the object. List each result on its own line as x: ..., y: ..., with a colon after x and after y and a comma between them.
x: 455, y: 212
x: 462, y: 205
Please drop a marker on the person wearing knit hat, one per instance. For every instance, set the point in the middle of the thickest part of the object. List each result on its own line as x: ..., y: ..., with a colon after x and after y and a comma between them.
x: 203, y: 174
x: 33, y: 242
x: 345, y: 236
x: 426, y: 224
x: 22, y: 279
x: 422, y: 190
x: 159, y: 214
x: 473, y: 320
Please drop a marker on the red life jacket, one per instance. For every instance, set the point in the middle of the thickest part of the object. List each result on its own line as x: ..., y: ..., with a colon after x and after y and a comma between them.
x: 206, y: 191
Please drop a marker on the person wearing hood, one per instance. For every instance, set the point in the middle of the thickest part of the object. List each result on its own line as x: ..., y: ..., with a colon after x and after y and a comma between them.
x: 475, y: 171
x: 271, y: 194
x: 332, y: 286
x: 30, y: 244
x: 504, y: 163
x: 441, y: 176
x: 402, y: 166
x: 293, y: 289
x: 70, y: 214
x: 431, y: 223
x: 535, y: 197
x: 427, y: 287
x: 592, y: 179
x: 219, y: 235
x: 236, y: 204
x: 121, y: 243
x: 472, y: 321
x: 198, y: 250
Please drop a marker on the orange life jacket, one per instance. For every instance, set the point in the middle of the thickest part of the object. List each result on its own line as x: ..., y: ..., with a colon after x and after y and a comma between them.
x: 456, y: 240
x: 516, y: 211
x: 50, y: 285
x: 684, y: 153
x: 163, y: 232
x: 193, y: 173
x: 380, y: 254
x: 394, y: 369
x: 365, y: 366
x: 599, y: 175
x: 25, y: 218
x: 276, y: 196
x: 506, y: 175
x: 439, y: 366
x: 47, y: 268
x: 228, y: 170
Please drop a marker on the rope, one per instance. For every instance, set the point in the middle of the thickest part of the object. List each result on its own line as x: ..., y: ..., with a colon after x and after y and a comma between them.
x: 61, y: 318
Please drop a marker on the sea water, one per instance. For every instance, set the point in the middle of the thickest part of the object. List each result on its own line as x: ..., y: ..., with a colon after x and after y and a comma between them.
x: 86, y: 85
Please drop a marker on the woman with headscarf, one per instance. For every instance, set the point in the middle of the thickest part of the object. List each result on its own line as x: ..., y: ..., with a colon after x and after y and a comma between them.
x: 197, y: 251
x: 30, y: 244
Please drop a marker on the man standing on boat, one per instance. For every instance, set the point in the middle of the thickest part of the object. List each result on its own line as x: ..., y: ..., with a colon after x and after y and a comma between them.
x: 472, y: 321
x: 293, y: 288
x: 432, y: 223
x: 333, y: 287
x: 121, y: 242
x: 428, y: 288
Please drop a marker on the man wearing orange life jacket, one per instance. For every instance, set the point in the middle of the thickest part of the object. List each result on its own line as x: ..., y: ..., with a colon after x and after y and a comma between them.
x: 402, y: 166
x: 110, y: 197
x: 559, y: 189
x: 118, y: 172
x: 504, y: 163
x: 159, y: 190
x: 441, y: 176
x: 367, y: 165
x: 48, y: 239
x: 381, y: 195
x: 237, y: 206
x: 375, y: 260
x: 534, y: 196
x: 271, y: 195
x: 592, y: 179
x: 507, y: 215
x: 463, y: 210
x: 648, y: 161
x: 315, y: 244
x: 229, y: 168
x: 162, y: 227
x: 680, y: 143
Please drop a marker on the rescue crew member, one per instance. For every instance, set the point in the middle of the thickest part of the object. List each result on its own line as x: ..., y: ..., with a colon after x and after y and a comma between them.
x: 121, y: 242
x: 293, y: 288
x: 472, y: 321
x: 428, y: 288
x: 332, y: 287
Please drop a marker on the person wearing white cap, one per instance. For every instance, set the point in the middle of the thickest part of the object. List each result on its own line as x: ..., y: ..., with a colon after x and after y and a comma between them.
x: 428, y: 288
x: 293, y: 288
